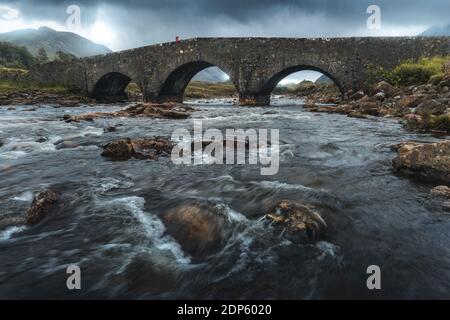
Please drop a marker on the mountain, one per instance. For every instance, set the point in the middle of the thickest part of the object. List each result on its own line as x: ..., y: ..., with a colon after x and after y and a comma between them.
x: 53, y: 41
x: 211, y: 74
x: 436, y: 31
x: 323, y: 79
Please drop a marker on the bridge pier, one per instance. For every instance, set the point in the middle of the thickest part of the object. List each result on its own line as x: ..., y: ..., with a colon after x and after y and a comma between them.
x: 253, y: 99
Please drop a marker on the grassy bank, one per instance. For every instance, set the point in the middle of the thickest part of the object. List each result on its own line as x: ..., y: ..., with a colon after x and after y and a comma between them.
x: 13, y: 81
x: 204, y: 90
x: 9, y: 86
x: 410, y: 72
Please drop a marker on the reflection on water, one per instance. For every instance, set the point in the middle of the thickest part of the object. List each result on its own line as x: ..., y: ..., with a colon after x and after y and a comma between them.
x: 112, y: 221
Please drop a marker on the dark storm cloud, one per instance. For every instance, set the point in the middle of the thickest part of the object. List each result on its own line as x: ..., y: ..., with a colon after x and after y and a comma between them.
x: 244, y: 10
x: 139, y: 22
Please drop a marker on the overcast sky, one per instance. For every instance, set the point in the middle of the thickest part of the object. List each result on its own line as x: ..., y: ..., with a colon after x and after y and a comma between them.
x: 132, y: 23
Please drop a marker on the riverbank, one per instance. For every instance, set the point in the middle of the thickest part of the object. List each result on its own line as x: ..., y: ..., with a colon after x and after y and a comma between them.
x: 423, y: 108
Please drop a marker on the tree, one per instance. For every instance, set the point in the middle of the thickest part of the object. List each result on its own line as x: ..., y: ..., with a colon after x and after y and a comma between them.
x: 64, y: 56
x: 42, y: 56
x: 12, y: 56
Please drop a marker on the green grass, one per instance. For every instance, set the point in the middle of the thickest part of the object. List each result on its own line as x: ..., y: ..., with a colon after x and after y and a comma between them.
x: 410, y: 72
x: 9, y: 86
x: 203, y: 90
x: 12, y: 71
x: 13, y: 81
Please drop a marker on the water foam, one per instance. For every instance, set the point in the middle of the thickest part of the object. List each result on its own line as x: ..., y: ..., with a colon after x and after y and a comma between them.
x: 7, y: 233
x: 153, y: 227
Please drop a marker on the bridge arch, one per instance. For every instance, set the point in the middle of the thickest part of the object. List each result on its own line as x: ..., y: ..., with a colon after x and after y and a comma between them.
x: 175, y: 83
x: 270, y: 84
x: 111, y: 86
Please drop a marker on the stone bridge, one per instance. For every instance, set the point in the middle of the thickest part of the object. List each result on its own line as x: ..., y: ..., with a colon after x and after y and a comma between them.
x: 254, y: 65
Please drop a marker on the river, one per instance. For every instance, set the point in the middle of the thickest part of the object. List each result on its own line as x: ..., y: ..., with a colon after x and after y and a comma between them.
x: 110, y: 225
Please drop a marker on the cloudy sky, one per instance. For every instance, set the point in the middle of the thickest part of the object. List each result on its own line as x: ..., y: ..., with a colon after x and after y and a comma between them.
x: 122, y: 24
x: 125, y: 24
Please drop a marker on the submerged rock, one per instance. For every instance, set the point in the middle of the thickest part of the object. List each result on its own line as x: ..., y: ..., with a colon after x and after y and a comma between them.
x: 301, y: 222
x: 200, y: 229
x: 40, y: 205
x: 110, y: 129
x: 6, y: 222
x: 430, y: 161
x: 146, y: 148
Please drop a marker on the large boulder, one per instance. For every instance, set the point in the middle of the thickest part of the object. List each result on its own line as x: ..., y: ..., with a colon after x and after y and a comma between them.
x: 146, y: 148
x: 199, y: 228
x: 40, y: 206
x: 430, y: 161
x: 300, y: 222
x: 384, y: 87
x: 432, y: 107
x: 368, y: 107
x: 410, y: 101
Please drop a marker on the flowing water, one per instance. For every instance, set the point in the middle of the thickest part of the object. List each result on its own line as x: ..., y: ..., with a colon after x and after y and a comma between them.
x: 109, y: 220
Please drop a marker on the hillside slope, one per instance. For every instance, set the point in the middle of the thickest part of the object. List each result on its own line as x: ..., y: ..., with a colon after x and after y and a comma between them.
x: 53, y: 41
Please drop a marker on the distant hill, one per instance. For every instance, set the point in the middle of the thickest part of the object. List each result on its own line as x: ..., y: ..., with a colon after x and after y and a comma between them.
x: 437, y: 31
x: 53, y: 41
x: 212, y: 74
x: 323, y: 79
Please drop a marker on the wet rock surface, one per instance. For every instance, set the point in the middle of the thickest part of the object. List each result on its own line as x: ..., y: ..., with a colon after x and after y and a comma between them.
x: 40, y: 206
x: 6, y: 222
x: 429, y: 161
x: 147, y: 110
x: 300, y: 222
x: 142, y: 149
x: 441, y: 191
x: 199, y: 228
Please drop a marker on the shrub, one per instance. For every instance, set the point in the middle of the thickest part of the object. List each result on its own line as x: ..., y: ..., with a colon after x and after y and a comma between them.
x: 408, y: 73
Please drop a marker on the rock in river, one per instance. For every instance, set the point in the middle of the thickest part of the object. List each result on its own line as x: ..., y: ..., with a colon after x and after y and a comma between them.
x: 141, y: 110
x: 146, y: 148
x: 441, y: 191
x: 301, y: 222
x: 200, y: 229
x: 430, y: 161
x: 40, y: 205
